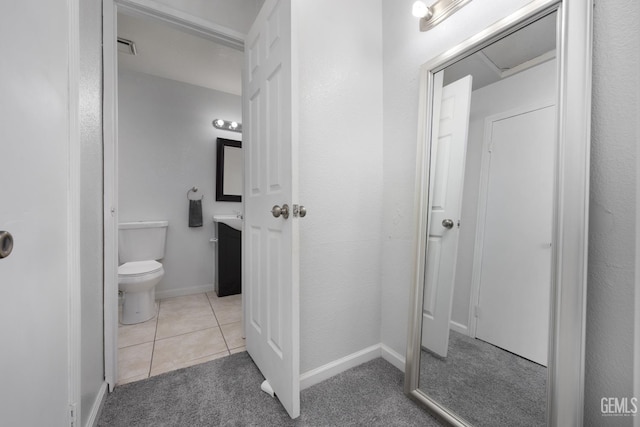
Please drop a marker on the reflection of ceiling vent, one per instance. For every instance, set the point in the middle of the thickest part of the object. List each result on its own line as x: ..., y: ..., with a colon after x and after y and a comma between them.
x: 126, y: 46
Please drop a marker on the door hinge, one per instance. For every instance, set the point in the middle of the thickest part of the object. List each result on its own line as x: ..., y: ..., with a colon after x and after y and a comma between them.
x: 72, y: 415
x: 476, y: 311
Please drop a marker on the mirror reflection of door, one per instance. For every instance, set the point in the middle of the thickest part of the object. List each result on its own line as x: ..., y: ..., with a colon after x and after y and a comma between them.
x: 513, y: 251
x: 486, y: 302
x: 449, y: 134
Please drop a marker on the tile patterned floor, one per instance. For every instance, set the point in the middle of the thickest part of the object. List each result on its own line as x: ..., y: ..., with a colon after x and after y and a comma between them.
x: 187, y: 330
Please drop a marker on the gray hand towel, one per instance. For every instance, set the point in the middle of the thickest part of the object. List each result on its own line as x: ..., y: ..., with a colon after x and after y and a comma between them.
x: 195, y: 213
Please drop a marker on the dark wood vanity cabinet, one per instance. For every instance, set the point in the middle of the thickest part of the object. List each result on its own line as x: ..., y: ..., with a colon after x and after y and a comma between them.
x: 228, y: 261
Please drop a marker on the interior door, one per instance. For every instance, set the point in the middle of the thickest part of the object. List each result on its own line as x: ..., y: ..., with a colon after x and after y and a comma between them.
x: 35, y: 277
x: 450, y: 130
x: 515, y: 276
x: 270, y: 244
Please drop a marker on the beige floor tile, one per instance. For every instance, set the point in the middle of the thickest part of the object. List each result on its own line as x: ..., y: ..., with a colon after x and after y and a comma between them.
x: 170, y: 326
x: 227, y: 309
x: 228, y: 301
x: 134, y: 361
x: 238, y: 350
x: 188, y: 363
x: 184, y: 305
x: 133, y: 379
x: 139, y: 333
x: 172, y: 353
x: 232, y: 333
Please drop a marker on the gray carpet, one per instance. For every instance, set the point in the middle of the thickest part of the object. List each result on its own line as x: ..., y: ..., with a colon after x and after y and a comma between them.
x: 486, y: 385
x: 226, y: 392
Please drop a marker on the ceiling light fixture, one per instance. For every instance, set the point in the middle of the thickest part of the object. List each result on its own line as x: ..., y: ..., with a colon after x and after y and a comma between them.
x: 430, y: 16
x: 421, y: 10
x: 227, y: 125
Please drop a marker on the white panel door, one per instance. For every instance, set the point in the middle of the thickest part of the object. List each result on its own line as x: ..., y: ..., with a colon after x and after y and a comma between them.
x: 270, y: 244
x: 34, y: 208
x: 515, y: 276
x: 450, y: 130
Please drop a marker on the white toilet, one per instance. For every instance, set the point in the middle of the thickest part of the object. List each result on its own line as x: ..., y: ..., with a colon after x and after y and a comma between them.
x: 140, y: 245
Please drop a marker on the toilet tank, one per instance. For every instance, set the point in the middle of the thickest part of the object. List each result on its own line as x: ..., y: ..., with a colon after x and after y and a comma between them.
x: 141, y: 240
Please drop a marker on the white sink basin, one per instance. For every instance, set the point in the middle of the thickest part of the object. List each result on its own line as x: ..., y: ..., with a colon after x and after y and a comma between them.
x: 231, y: 220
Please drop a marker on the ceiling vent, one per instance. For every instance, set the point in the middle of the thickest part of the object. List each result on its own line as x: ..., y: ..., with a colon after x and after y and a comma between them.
x: 127, y: 46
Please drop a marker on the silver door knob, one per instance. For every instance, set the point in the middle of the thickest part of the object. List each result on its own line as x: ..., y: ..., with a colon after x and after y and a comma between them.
x: 299, y: 211
x: 277, y: 211
x: 6, y: 244
x: 447, y: 223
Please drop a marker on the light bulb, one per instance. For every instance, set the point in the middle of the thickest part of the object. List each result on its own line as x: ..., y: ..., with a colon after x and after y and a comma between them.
x: 420, y: 10
x: 219, y: 122
x: 233, y: 125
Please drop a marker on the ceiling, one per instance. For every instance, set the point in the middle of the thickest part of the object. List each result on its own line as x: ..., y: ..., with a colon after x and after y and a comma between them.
x: 167, y: 52
x: 523, y: 49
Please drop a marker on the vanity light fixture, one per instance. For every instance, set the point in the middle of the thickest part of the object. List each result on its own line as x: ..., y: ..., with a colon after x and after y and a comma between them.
x: 430, y: 16
x: 227, y: 125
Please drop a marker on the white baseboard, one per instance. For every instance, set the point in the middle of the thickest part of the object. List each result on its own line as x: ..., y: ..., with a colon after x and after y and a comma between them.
x: 458, y: 327
x: 97, y: 406
x: 325, y: 372
x: 180, y: 292
x: 393, y: 357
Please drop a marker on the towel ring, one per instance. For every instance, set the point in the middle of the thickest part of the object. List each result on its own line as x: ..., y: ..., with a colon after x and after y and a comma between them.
x: 194, y: 190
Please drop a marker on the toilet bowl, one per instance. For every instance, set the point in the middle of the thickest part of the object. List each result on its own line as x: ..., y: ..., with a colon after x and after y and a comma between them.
x: 138, y: 280
x: 140, y: 245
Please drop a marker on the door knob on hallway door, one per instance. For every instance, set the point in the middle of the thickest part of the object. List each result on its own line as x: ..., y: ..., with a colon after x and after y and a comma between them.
x: 6, y: 244
x: 278, y: 211
x: 299, y: 211
x: 447, y: 223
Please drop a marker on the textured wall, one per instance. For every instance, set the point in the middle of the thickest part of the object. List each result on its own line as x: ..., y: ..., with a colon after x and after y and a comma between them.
x: 167, y: 145
x: 91, y: 244
x: 610, y: 290
x: 340, y: 178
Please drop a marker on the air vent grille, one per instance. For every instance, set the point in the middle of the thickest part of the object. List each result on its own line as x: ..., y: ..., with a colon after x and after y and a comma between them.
x: 127, y: 46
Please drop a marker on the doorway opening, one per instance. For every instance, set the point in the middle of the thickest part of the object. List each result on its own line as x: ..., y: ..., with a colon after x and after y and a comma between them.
x: 166, y: 96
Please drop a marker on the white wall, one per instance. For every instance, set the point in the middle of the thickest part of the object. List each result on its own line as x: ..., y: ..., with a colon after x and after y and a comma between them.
x: 533, y: 87
x: 609, y: 343
x: 167, y: 145
x: 340, y: 178
x: 91, y: 244
x: 610, y: 290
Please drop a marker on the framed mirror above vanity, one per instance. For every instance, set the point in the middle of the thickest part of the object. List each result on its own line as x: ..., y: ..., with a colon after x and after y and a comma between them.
x: 229, y: 170
x: 496, y: 329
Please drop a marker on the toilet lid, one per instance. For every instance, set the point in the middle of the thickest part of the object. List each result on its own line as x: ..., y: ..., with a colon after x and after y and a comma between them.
x: 138, y: 267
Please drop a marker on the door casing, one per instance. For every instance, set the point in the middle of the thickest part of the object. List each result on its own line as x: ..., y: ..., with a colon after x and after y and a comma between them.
x: 175, y: 18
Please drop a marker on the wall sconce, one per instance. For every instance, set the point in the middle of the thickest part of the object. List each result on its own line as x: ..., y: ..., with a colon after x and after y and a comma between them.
x: 227, y: 125
x: 430, y: 16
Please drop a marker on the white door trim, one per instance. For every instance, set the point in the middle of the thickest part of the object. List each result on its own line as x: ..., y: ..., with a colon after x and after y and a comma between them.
x: 110, y: 188
x: 73, y: 217
x: 482, y: 205
x: 183, y: 21
x: 179, y: 19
